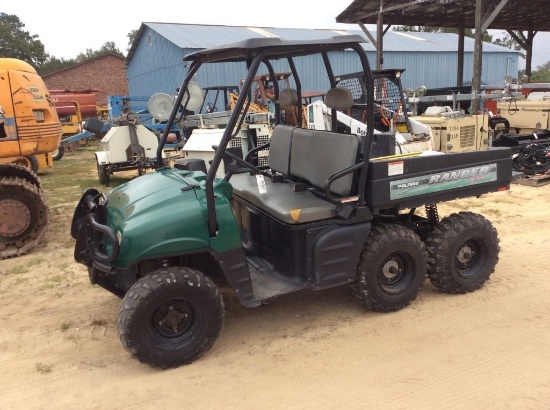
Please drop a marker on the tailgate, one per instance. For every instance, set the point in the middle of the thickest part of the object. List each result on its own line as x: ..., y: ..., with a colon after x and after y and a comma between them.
x: 410, y: 181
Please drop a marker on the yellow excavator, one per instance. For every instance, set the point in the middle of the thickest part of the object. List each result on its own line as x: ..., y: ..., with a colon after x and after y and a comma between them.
x: 29, y: 130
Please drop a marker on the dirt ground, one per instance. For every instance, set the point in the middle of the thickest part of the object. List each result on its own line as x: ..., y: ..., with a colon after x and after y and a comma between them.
x: 490, y: 349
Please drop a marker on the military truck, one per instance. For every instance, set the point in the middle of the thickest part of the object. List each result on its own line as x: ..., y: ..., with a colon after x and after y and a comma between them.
x: 332, y: 208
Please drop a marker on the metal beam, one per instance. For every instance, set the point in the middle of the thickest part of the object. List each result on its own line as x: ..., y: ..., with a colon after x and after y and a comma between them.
x: 493, y: 15
x: 367, y: 33
x: 401, y: 6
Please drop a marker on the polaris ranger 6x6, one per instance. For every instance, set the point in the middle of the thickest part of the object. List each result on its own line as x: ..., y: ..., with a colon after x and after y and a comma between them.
x: 308, y: 210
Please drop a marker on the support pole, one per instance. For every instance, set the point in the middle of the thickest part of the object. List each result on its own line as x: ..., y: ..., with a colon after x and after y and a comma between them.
x: 460, y: 60
x: 380, y: 38
x: 529, y: 53
x: 478, y: 54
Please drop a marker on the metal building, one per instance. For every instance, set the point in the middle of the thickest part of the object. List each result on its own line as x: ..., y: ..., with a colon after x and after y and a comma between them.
x: 154, y: 62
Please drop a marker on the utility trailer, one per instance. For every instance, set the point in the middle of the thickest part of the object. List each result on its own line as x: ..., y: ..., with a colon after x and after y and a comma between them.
x: 323, y: 213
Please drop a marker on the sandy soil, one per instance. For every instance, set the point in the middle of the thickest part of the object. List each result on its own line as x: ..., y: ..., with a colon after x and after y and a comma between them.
x: 490, y: 349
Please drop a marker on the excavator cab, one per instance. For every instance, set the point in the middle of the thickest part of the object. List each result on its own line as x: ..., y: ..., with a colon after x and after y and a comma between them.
x: 29, y: 128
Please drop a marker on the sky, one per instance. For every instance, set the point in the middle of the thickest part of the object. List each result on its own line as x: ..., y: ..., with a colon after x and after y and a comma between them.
x: 68, y: 28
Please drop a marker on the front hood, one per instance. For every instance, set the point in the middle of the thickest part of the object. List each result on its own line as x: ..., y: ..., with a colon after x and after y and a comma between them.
x: 157, y: 214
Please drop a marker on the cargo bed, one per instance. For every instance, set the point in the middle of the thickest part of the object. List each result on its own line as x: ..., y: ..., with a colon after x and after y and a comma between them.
x: 409, y: 181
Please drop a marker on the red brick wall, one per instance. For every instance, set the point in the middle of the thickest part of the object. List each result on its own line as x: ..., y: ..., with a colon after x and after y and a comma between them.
x: 106, y: 73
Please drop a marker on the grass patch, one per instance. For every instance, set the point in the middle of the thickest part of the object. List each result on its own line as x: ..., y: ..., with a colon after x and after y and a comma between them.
x: 65, y: 326
x: 99, y: 322
x: 35, y: 261
x: 54, y: 281
x: 43, y: 368
x: 18, y: 269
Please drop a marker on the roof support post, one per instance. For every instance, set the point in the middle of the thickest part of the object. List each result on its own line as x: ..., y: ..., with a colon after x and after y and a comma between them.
x: 460, y: 60
x: 529, y: 53
x: 380, y: 38
x: 527, y: 44
x: 478, y: 54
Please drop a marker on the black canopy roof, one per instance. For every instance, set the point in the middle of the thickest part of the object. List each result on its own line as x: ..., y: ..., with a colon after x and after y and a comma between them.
x: 523, y: 15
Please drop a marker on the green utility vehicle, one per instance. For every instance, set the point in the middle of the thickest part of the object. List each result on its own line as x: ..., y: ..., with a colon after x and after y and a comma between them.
x: 333, y: 207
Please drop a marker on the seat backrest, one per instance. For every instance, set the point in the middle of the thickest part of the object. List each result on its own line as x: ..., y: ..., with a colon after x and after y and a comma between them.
x: 317, y: 155
x: 288, y: 96
x: 279, y: 149
x: 339, y: 99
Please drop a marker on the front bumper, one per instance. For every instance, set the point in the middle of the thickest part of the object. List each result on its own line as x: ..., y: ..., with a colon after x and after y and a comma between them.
x: 96, y: 244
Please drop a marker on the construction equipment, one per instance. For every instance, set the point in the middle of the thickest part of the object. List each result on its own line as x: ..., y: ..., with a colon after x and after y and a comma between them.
x: 29, y: 130
x: 443, y: 126
x: 205, y: 129
x: 73, y: 107
x: 439, y: 128
x: 128, y: 144
x: 71, y: 124
x: 527, y: 115
x: 323, y: 213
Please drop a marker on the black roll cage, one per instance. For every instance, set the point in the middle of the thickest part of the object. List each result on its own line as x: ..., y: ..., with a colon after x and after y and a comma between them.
x: 254, y: 52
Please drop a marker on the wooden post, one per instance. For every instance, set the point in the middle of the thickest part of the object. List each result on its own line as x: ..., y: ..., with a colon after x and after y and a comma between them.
x: 529, y: 53
x: 460, y: 60
x: 380, y: 39
x: 478, y: 54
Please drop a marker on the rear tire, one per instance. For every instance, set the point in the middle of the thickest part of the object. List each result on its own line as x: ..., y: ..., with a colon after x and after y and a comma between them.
x: 463, y: 252
x: 392, y: 268
x: 171, y: 317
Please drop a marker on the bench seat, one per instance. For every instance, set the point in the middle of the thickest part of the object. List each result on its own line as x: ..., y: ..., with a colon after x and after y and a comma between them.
x: 281, y: 201
x: 311, y: 158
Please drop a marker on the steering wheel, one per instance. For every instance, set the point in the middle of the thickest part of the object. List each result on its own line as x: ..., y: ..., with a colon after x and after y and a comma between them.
x: 246, y: 166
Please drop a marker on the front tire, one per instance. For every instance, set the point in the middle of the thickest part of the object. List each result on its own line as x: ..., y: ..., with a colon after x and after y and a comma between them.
x: 463, y: 252
x: 392, y: 268
x: 171, y: 317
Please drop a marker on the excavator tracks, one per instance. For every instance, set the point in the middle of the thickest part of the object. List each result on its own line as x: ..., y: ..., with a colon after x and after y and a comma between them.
x: 24, y: 215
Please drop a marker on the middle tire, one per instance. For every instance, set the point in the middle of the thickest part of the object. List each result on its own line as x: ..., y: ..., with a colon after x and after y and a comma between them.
x: 392, y: 268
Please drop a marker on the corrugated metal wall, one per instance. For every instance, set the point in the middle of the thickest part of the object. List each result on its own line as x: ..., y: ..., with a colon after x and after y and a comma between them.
x: 439, y: 69
x: 157, y: 66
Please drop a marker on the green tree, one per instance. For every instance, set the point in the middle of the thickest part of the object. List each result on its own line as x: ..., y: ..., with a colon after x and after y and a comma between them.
x: 106, y: 48
x: 542, y: 73
x: 55, y: 64
x: 508, y: 41
x: 15, y: 42
x: 131, y: 37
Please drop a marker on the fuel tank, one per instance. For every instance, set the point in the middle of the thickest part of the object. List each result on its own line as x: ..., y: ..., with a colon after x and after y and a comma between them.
x: 64, y: 102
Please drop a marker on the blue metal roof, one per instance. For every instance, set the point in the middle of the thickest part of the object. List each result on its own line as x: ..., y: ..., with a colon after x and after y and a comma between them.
x: 155, y: 60
x: 197, y: 36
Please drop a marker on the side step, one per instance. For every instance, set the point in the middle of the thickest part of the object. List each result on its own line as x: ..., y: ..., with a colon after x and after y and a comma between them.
x: 267, y: 283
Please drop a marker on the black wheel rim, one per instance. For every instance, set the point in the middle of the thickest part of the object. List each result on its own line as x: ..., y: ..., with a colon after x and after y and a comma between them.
x: 396, y: 272
x: 175, y: 322
x: 470, y: 257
